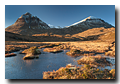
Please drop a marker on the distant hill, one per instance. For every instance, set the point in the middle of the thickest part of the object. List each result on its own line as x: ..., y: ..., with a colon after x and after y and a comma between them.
x: 101, y: 34
x: 42, y: 38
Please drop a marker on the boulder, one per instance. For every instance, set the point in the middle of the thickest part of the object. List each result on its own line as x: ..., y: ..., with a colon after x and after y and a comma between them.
x: 70, y: 66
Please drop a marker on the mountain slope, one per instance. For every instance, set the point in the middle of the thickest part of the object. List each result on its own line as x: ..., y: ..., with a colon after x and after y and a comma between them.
x: 91, y: 22
x: 26, y: 24
x: 31, y: 25
x: 101, y: 34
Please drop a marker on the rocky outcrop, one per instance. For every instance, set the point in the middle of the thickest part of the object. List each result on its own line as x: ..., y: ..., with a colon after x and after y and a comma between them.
x: 32, y: 21
x: 31, y: 53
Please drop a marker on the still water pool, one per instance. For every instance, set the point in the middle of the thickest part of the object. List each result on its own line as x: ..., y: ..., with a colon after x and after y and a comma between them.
x: 17, y: 68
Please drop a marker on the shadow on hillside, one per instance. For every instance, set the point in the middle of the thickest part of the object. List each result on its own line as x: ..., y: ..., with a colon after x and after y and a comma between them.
x: 58, y: 31
x: 62, y: 31
x: 48, y: 38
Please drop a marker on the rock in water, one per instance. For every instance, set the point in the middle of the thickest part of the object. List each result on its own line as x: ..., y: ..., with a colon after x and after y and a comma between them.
x: 31, y: 53
x: 30, y: 56
x: 10, y: 55
x: 34, y: 50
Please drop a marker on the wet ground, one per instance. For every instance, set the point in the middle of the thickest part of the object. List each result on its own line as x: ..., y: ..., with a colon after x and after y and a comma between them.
x: 17, y: 68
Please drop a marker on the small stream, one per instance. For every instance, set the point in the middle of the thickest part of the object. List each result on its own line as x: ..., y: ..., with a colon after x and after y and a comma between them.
x: 17, y: 68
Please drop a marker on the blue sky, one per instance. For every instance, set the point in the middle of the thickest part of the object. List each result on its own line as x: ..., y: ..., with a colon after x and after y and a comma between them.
x: 60, y: 15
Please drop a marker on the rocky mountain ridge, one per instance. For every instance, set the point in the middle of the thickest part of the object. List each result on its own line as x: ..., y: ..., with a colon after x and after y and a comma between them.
x: 33, y: 21
x: 32, y: 25
x: 25, y: 23
x: 91, y: 22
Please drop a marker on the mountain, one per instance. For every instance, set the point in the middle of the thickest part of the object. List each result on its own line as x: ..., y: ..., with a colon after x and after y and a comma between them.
x: 33, y: 26
x: 90, y: 22
x: 26, y: 24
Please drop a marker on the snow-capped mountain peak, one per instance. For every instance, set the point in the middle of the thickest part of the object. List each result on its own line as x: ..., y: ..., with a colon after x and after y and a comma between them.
x: 90, y: 17
x: 32, y: 21
x: 90, y: 22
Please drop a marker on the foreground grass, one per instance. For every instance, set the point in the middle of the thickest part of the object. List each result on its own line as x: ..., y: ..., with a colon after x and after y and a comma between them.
x: 84, y: 72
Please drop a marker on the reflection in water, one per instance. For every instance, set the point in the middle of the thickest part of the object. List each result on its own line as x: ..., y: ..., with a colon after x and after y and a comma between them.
x: 28, y: 62
x: 33, y: 69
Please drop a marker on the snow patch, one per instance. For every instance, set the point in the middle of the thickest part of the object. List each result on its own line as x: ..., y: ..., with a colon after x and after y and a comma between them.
x: 86, y: 19
x: 92, y: 17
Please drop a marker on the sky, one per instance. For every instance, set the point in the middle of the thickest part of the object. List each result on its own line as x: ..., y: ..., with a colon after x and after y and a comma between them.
x: 60, y: 15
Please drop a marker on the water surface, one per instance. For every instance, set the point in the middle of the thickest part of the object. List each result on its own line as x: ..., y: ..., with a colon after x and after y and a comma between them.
x: 17, y: 68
